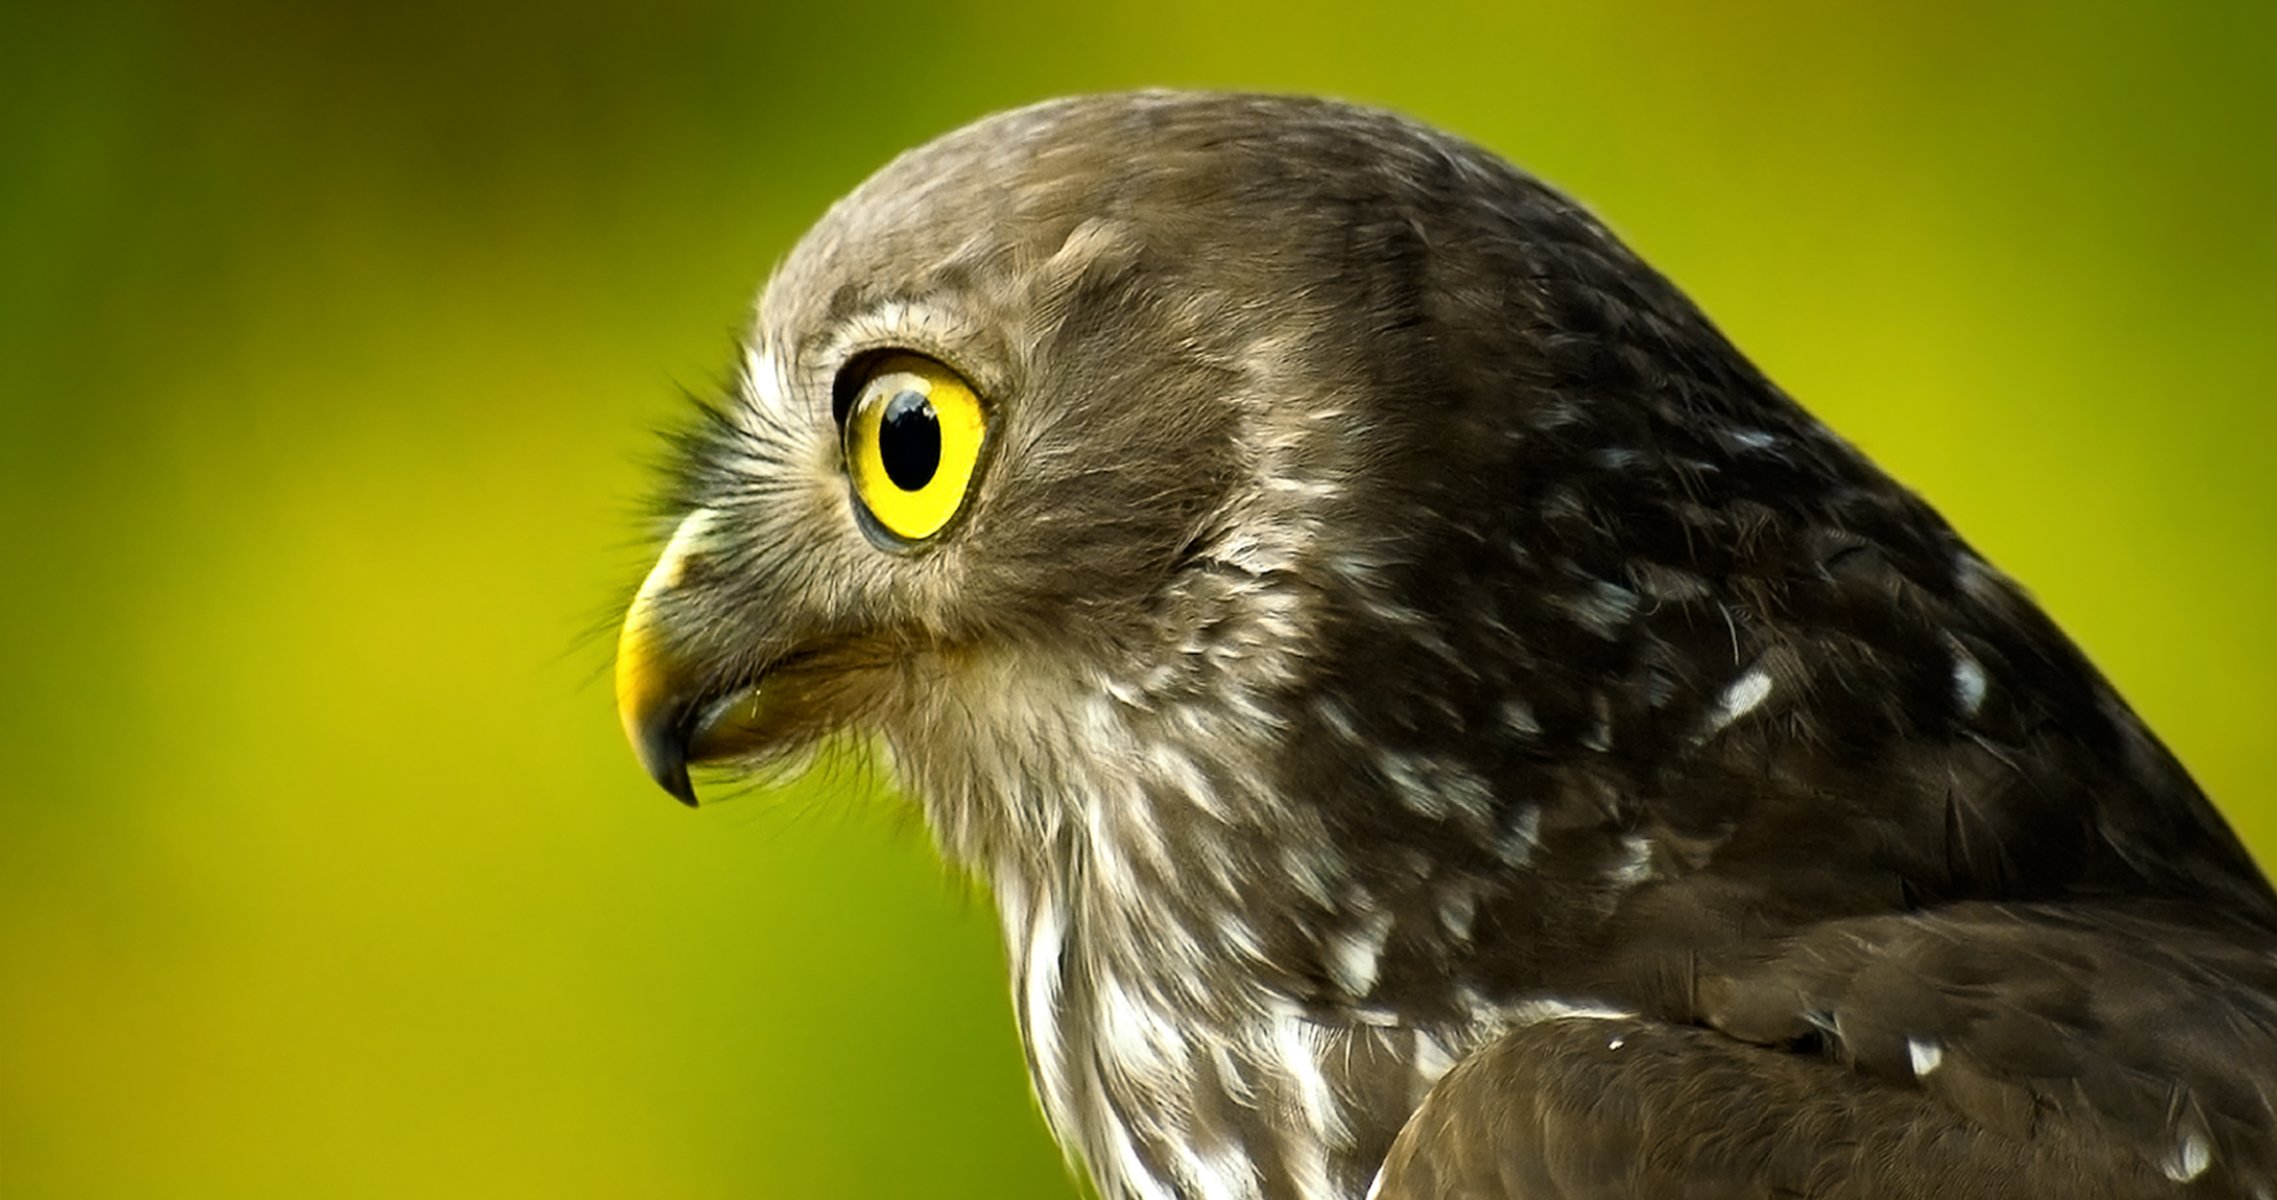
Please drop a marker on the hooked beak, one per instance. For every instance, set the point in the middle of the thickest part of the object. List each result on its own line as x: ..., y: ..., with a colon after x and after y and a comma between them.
x: 651, y: 674
x: 682, y: 700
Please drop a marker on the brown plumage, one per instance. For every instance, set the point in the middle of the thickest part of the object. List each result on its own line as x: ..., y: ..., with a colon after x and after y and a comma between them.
x: 1415, y: 690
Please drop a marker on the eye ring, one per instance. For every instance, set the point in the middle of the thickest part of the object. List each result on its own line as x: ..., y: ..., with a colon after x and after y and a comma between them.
x: 912, y: 432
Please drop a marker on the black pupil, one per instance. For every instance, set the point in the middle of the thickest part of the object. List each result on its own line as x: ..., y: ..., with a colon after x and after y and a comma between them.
x: 909, y: 440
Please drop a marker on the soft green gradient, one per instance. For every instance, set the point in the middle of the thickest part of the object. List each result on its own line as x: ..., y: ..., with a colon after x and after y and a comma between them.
x: 332, y: 341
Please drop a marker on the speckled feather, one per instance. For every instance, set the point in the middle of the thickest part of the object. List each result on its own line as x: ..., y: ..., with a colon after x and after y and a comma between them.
x: 1392, y: 629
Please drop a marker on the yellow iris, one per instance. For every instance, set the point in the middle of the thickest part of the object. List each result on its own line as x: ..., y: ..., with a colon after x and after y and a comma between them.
x: 913, y: 437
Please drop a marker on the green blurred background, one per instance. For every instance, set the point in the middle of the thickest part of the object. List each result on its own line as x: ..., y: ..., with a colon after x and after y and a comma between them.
x: 333, y: 340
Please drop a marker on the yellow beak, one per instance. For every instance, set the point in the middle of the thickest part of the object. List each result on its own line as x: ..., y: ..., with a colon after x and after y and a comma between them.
x: 650, y: 675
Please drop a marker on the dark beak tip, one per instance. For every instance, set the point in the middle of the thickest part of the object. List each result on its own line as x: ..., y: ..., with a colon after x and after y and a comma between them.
x: 679, y: 786
x: 663, y: 752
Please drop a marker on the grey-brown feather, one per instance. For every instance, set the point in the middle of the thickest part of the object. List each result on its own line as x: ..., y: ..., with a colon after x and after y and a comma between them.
x: 1390, y: 620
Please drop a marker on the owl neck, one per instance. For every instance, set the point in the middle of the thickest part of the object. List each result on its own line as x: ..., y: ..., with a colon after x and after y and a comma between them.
x: 1217, y: 939
x: 1174, y: 1039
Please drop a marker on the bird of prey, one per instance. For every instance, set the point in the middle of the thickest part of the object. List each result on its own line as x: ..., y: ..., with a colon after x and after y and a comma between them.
x: 1435, y: 720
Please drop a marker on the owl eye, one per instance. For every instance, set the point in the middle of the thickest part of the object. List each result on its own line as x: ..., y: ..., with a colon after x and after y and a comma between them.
x: 913, y: 431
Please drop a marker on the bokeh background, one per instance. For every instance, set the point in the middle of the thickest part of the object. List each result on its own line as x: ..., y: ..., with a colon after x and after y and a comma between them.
x: 333, y: 339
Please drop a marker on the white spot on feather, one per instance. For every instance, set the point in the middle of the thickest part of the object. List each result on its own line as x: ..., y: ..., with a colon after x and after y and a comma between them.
x: 1218, y: 1172
x: 1635, y: 866
x: 1927, y: 1056
x: 1968, y: 682
x: 1356, y: 956
x: 1517, y: 844
x: 1230, y: 1074
x: 1310, y: 489
x: 1436, y: 789
x: 1399, y: 771
x: 1125, y: 694
x: 1738, y: 700
x: 1183, y: 776
x: 1458, y: 907
x: 1137, y: 1035
x: 1338, y: 719
x: 1297, y: 1049
x: 1136, y: 1179
x: 1310, y: 874
x: 2190, y: 1158
x: 1235, y: 931
x: 1432, y: 1058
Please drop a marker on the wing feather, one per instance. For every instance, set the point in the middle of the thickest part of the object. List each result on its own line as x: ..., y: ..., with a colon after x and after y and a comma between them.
x: 1985, y: 1051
